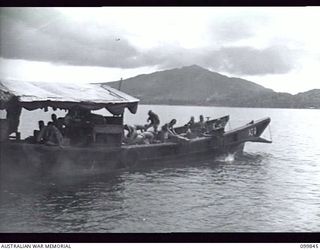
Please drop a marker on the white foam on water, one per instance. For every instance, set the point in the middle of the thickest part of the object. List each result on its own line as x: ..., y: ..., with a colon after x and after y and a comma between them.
x: 227, y: 158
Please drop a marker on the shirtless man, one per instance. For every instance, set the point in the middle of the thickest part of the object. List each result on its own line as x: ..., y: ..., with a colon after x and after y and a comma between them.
x: 154, y: 121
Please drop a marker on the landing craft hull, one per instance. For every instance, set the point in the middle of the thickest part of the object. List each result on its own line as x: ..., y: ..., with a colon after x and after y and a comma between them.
x: 21, y: 157
x: 219, y: 122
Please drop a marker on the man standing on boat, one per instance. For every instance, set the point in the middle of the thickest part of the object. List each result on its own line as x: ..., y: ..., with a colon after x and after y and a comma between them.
x: 154, y: 121
x: 13, y: 115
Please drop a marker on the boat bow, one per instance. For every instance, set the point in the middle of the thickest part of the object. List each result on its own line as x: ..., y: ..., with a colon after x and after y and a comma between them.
x: 250, y: 132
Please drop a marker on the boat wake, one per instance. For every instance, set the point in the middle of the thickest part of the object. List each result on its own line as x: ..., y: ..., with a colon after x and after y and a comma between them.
x: 244, y: 159
x: 254, y: 159
x: 229, y: 158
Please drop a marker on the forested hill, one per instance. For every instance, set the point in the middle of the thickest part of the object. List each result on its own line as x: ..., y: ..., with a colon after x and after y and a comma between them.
x: 194, y: 85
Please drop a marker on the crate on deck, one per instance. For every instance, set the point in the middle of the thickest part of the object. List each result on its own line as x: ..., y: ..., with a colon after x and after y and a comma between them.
x: 108, y: 134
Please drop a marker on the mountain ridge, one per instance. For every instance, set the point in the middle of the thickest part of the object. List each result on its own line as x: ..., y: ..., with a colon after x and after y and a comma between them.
x: 194, y: 85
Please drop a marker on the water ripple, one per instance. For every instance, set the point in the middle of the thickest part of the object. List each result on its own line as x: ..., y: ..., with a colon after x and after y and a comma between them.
x: 271, y: 187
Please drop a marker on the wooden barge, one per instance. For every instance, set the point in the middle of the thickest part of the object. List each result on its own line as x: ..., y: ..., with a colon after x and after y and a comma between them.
x: 107, y: 152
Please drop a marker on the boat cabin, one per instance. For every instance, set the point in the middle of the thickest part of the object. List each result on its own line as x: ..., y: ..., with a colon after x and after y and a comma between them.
x: 81, y: 126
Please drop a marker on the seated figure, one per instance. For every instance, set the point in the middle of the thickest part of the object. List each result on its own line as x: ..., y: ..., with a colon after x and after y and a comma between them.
x: 131, y: 135
x: 50, y: 135
x: 191, y: 122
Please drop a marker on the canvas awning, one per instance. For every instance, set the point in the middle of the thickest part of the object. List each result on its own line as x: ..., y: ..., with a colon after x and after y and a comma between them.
x: 35, y: 95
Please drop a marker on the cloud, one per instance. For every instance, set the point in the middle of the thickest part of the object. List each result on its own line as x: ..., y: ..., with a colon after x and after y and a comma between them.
x: 234, y: 60
x: 238, y: 27
x: 45, y: 34
x: 250, y: 61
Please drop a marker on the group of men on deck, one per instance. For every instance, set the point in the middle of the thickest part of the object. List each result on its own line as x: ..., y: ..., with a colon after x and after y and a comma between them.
x: 75, y: 128
x: 50, y: 134
x: 139, y: 134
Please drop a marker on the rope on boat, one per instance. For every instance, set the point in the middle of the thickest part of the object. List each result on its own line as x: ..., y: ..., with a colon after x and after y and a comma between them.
x: 229, y: 125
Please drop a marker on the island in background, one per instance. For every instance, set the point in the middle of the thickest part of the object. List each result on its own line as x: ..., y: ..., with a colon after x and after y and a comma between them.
x: 194, y: 85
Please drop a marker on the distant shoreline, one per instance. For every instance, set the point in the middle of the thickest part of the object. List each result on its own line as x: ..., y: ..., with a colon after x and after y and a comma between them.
x: 218, y: 106
x: 194, y: 85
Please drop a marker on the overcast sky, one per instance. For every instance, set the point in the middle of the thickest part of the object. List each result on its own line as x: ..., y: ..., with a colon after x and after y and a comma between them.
x: 278, y: 48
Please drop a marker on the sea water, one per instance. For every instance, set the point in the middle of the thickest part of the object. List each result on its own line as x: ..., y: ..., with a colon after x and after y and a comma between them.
x: 270, y: 188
